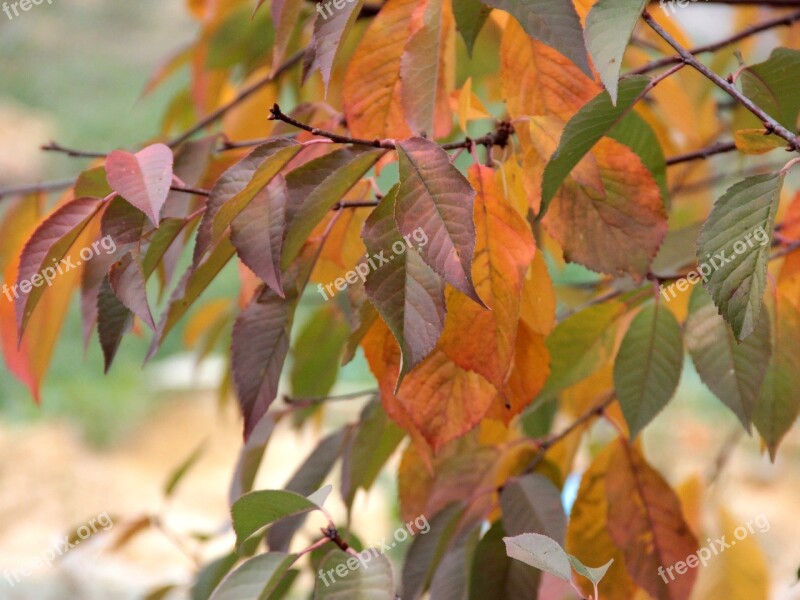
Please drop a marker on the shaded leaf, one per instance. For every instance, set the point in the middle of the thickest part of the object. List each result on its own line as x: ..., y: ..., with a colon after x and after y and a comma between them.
x: 733, y: 370
x: 774, y: 85
x: 127, y: 278
x: 648, y: 366
x: 317, y: 353
x: 496, y: 575
x: 256, y: 578
x: 329, y: 32
x: 369, y: 577
x: 532, y: 504
x: 182, y: 470
x: 250, y: 457
x: 470, y: 17
x: 210, y: 575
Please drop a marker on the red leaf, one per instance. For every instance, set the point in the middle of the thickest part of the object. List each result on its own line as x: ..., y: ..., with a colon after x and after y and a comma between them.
x: 143, y: 179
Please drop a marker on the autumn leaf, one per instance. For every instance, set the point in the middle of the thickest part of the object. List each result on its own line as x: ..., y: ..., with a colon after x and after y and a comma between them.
x: 329, y: 33
x: 646, y: 523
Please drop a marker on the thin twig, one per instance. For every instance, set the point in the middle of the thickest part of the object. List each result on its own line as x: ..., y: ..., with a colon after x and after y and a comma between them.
x: 770, y: 124
x: 718, y: 148
x: 745, y: 33
x: 56, y: 147
x: 33, y: 188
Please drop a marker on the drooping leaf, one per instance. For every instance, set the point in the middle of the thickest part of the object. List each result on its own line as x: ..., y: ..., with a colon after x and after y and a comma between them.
x: 434, y: 196
x: 470, y: 17
x: 451, y: 579
x: 127, y: 278
x: 646, y: 522
x: 143, y: 179
x: 329, y: 32
x: 51, y: 243
x: 369, y: 577
x: 553, y: 22
x: 285, y: 17
x: 237, y: 186
x: 114, y: 320
x: 779, y: 402
x: 316, y: 187
x: 594, y: 120
x: 256, y: 510
x: 774, y: 85
x: 371, y: 89
x: 209, y: 577
x: 122, y: 222
x: 258, y: 233
x: 609, y: 26
x: 541, y: 552
x: 256, y: 578
x: 317, y: 353
x: 648, y: 366
x: 733, y: 370
x: 477, y: 339
x: 407, y: 293
x: 738, y: 265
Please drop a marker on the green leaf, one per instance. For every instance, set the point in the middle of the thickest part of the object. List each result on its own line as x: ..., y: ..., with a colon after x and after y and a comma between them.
x: 435, y: 197
x: 733, y: 370
x: 579, y: 346
x: 368, y: 576
x: 256, y: 510
x: 470, y: 17
x: 495, y: 575
x: 779, y: 403
x: 554, y: 22
x: 256, y: 578
x: 316, y: 187
x: 317, y: 353
x: 609, y: 26
x: 595, y: 575
x: 737, y: 261
x: 532, y: 504
x: 541, y: 552
x: 595, y: 119
x: 407, y: 293
x: 648, y: 366
x: 375, y: 440
x: 242, y: 37
x: 774, y: 85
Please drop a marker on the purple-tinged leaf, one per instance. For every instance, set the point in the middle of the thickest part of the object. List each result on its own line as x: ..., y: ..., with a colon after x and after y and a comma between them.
x: 128, y: 281
x: 408, y: 294
x: 258, y: 233
x: 330, y: 28
x: 113, y: 321
x: 122, y: 222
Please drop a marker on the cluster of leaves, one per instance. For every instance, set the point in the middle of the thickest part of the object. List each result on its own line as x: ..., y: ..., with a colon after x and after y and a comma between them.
x: 566, y: 200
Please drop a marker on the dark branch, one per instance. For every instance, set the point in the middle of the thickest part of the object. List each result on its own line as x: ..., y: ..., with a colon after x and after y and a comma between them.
x: 56, y: 147
x: 718, y: 148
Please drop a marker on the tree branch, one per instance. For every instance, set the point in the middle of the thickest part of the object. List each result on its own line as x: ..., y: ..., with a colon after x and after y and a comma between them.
x: 32, y: 188
x: 770, y: 124
x: 745, y: 33
x: 499, y: 137
x: 56, y: 147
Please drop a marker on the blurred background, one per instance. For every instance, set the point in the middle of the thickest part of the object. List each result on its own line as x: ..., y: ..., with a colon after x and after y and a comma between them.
x: 73, y: 71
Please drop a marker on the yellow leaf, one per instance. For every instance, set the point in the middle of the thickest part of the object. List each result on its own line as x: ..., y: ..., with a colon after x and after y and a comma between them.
x: 469, y: 106
x: 753, y: 141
